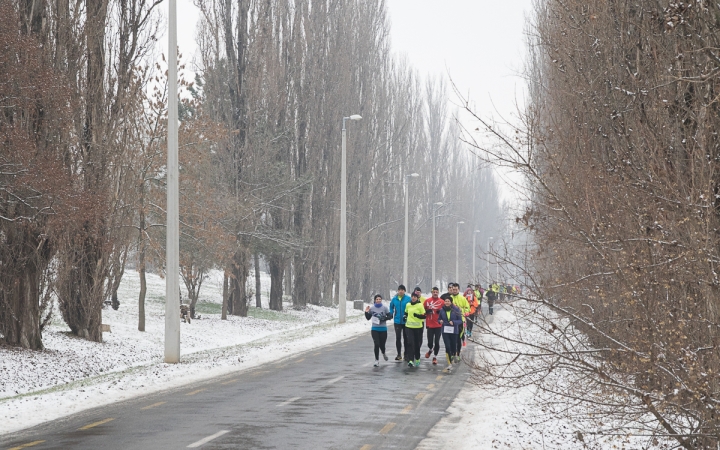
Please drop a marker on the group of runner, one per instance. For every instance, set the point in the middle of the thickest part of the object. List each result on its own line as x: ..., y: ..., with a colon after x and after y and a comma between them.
x: 450, y: 316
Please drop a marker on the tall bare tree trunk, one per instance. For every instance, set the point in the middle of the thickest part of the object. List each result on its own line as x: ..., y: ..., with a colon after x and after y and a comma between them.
x: 276, y: 264
x: 258, y: 299
x: 20, y: 296
x: 239, y: 297
x: 224, y: 312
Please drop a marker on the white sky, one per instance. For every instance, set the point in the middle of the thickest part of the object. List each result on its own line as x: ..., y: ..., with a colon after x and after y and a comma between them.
x: 479, y: 44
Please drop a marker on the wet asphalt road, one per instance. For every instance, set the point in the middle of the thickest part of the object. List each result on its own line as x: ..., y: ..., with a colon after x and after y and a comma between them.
x: 331, y: 398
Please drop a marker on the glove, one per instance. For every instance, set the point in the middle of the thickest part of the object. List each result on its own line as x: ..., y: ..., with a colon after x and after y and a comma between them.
x: 405, y: 318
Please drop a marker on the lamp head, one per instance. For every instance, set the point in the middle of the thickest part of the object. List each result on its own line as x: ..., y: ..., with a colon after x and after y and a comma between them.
x: 461, y: 222
x: 355, y: 117
x: 414, y: 175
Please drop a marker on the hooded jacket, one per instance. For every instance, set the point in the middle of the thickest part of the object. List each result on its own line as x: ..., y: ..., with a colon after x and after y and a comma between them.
x: 454, y: 316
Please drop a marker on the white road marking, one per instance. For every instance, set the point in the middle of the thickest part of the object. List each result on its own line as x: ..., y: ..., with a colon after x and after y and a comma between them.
x: 288, y: 401
x: 207, y: 439
x: 335, y: 380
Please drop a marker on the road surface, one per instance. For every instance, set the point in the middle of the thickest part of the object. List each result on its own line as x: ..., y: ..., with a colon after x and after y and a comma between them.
x: 331, y: 398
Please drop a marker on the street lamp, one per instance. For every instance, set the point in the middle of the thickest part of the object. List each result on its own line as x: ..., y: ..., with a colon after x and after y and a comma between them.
x: 342, y: 294
x: 405, y: 254
x: 172, y: 245
x: 457, y: 250
x: 438, y: 204
x: 473, y: 252
x: 487, y: 267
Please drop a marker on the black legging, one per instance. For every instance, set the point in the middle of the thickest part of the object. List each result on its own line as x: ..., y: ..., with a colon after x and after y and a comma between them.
x: 400, y: 334
x: 379, y: 338
x: 470, y: 321
x: 414, y: 338
x: 460, y: 337
x: 433, y: 335
x: 451, y: 341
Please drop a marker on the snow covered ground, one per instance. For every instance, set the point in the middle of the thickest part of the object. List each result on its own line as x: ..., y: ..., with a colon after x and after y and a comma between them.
x: 72, y: 374
x: 485, y: 417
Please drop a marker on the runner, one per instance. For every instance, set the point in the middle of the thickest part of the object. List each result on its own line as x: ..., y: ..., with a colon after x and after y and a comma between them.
x: 433, y: 305
x: 460, y: 301
x: 419, y: 293
x: 414, y: 315
x: 492, y: 294
x: 450, y: 319
x: 378, y: 314
x: 397, y: 309
x: 473, y: 301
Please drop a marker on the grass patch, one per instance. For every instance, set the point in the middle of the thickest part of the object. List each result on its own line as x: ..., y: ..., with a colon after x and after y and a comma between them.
x: 208, y: 308
x: 269, y: 314
x: 256, y: 313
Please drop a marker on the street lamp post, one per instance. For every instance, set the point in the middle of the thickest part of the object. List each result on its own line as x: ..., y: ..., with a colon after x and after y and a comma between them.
x: 405, y: 253
x: 473, y: 252
x: 433, y: 239
x: 457, y: 250
x: 172, y: 245
x: 342, y: 291
x: 487, y: 267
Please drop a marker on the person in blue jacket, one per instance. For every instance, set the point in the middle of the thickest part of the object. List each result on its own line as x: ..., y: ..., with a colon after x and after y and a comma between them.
x: 379, y: 314
x: 397, y: 309
x: 450, y: 320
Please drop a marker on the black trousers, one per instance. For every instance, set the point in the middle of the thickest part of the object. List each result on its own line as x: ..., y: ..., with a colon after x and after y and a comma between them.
x: 451, y: 341
x: 460, y: 336
x: 433, y: 335
x: 470, y: 322
x: 379, y: 338
x: 414, y: 339
x: 400, y: 335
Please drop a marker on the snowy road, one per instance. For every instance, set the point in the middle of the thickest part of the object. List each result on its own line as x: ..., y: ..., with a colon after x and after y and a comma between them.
x: 331, y: 398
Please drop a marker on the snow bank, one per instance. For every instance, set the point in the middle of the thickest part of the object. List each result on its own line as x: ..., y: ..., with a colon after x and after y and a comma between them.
x: 72, y: 374
x: 490, y: 417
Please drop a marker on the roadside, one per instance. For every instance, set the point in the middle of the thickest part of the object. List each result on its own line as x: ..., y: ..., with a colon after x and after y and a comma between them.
x: 72, y: 375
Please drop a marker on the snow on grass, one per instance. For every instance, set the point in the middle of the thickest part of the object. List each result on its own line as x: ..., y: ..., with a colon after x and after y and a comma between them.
x: 487, y: 416
x: 73, y: 374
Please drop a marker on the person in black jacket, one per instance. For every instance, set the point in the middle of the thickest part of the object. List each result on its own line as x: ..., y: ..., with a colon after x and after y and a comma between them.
x: 450, y: 318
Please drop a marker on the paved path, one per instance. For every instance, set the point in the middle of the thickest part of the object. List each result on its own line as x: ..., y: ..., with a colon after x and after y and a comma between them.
x: 331, y: 398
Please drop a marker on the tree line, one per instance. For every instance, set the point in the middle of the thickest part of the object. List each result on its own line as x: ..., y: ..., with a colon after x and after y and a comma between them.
x: 84, y: 104
x: 619, y: 148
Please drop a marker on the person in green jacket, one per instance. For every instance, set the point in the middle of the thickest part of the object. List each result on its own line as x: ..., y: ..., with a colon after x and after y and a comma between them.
x: 461, y: 302
x: 414, y: 324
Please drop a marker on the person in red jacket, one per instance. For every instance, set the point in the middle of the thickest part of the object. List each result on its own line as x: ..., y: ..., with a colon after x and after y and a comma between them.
x: 433, y: 305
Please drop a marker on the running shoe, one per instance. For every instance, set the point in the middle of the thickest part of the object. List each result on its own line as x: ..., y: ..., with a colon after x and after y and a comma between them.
x: 456, y: 359
x: 464, y: 344
x: 417, y: 363
x: 434, y: 361
x: 398, y: 358
x: 377, y: 363
x: 469, y: 334
x: 385, y: 357
x: 447, y: 369
x: 410, y: 364
x: 427, y: 355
